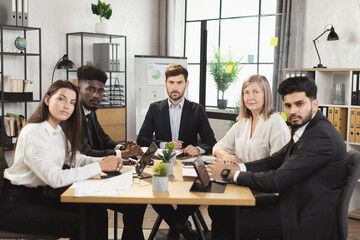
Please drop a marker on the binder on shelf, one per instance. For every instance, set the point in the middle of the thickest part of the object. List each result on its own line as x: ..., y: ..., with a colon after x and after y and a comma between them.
x: 352, y: 125
x: 341, y: 121
x: 355, y: 87
x: 106, y: 56
x: 324, y: 111
x: 358, y: 88
x: 357, y: 125
x: 19, y: 21
x: 25, y: 20
x: 8, y: 12
x: 335, y: 121
x: 331, y: 114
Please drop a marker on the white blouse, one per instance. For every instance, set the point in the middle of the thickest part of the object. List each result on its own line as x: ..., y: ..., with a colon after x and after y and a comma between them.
x: 269, y: 137
x: 40, y: 156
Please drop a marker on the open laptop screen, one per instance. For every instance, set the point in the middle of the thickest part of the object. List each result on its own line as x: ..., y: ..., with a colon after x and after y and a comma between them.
x: 146, y: 158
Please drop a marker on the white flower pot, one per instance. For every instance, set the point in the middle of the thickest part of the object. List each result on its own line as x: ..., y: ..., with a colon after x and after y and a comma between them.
x: 160, y: 184
x: 100, y: 27
x: 169, y: 168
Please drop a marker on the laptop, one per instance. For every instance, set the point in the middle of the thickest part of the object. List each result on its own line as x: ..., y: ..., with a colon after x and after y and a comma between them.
x: 203, y: 182
x: 144, y: 161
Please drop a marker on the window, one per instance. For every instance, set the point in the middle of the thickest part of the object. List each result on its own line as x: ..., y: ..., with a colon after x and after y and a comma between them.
x: 242, y: 28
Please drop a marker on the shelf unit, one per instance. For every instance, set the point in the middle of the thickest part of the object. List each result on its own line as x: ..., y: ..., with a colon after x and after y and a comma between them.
x: 25, y: 58
x: 325, y: 78
x: 81, y: 52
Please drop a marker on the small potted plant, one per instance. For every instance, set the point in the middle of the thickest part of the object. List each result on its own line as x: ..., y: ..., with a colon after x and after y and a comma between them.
x: 104, y: 11
x: 160, y: 178
x: 224, y: 71
x: 168, y: 157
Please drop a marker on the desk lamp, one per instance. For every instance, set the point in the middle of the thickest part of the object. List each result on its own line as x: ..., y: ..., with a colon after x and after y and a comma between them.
x: 331, y: 37
x: 63, y: 63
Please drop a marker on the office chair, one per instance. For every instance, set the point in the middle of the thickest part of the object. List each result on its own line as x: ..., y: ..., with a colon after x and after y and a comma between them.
x: 198, y: 221
x: 353, y: 170
x: 11, y: 235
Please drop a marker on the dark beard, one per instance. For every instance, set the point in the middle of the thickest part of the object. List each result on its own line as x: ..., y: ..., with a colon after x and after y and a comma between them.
x: 306, y: 120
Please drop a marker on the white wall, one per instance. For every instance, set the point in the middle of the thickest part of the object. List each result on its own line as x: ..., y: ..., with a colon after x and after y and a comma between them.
x: 345, y: 17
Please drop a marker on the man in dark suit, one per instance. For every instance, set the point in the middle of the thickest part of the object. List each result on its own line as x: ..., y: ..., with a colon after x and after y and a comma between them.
x: 308, y: 173
x: 95, y: 142
x: 178, y: 120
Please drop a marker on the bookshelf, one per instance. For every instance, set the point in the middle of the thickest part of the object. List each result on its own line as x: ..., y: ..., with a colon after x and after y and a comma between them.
x: 112, y: 111
x: 21, y: 65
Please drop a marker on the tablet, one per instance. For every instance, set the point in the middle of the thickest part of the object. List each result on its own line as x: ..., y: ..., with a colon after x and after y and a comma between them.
x: 201, y: 171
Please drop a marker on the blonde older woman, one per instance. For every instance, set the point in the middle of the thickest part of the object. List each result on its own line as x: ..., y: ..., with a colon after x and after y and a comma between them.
x: 259, y: 131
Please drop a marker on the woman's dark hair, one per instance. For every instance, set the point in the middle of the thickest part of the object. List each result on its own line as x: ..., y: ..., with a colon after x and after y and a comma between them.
x: 176, y: 70
x: 298, y: 84
x: 73, y: 123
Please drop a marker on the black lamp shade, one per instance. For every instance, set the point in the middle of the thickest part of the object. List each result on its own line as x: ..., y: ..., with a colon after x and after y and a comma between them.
x: 332, y: 35
x: 65, y: 63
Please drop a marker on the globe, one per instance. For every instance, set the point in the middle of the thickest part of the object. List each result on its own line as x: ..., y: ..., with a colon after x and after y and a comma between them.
x: 20, y: 43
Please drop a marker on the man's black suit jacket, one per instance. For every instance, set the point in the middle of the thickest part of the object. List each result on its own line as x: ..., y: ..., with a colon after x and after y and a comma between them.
x: 193, y: 122
x: 101, y: 145
x: 309, y: 176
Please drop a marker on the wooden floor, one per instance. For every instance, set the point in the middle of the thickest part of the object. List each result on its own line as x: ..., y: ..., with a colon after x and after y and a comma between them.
x: 151, y: 215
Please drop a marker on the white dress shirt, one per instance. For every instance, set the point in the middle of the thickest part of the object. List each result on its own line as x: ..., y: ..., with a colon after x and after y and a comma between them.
x: 175, y: 119
x: 40, y: 156
x: 269, y: 137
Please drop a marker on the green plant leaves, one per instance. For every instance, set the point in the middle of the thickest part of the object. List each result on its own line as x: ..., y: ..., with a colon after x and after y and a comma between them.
x: 160, y: 170
x: 102, y: 10
x: 223, y: 75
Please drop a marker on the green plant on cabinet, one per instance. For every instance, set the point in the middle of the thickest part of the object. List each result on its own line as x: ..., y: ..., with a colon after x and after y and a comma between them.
x: 102, y: 10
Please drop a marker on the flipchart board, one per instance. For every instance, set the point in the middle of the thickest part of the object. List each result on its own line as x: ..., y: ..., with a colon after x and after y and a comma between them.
x: 150, y: 82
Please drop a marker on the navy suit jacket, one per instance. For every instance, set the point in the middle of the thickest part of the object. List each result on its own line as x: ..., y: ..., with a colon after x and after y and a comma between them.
x: 309, y: 176
x: 193, y: 122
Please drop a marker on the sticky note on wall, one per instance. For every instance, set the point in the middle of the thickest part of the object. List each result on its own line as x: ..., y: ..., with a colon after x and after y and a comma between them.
x: 274, y: 41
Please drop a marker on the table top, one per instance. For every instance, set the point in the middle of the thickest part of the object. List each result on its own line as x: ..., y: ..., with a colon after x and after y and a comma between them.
x: 179, y: 193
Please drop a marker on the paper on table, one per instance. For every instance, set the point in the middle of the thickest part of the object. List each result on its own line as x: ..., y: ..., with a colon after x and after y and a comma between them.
x: 104, y: 187
x: 189, y: 172
x: 85, y: 192
x: 206, y: 159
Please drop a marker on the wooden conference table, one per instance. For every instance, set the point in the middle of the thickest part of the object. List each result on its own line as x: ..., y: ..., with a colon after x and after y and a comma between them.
x: 141, y: 193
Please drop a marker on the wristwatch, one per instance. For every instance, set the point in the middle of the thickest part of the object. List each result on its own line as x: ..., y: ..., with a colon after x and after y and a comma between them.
x: 225, y: 173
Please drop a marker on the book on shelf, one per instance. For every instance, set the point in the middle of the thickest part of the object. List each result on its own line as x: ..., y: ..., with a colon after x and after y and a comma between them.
x: 28, y: 85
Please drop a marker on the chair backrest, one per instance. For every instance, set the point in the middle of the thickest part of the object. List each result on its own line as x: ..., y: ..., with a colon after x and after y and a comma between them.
x: 353, y: 172
x: 3, y: 166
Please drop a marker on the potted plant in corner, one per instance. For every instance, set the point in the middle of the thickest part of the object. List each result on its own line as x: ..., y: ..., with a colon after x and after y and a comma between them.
x: 168, y: 157
x: 102, y: 10
x: 160, y: 178
x: 224, y: 71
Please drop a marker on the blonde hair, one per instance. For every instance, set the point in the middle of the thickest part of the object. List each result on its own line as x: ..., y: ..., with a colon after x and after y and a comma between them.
x: 267, y: 109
